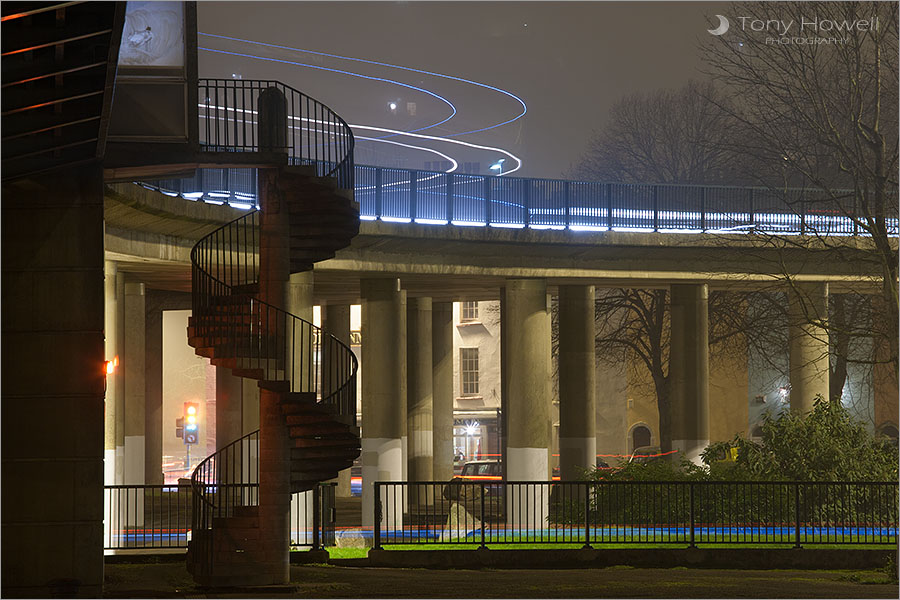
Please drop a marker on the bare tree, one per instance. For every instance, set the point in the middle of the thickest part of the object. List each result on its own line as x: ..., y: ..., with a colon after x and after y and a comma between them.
x: 667, y: 136
x: 826, y: 112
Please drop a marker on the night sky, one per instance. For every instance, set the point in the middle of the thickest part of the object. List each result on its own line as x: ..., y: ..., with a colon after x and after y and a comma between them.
x: 568, y: 61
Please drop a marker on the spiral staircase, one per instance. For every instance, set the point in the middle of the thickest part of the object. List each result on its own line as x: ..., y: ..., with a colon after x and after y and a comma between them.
x: 311, y: 371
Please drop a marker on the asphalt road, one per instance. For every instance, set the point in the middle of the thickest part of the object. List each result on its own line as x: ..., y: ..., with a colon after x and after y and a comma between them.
x: 173, y: 581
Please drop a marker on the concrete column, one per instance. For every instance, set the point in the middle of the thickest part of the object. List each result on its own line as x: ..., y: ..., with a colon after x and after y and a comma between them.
x: 528, y: 379
x: 133, y: 366
x: 153, y: 391
x: 442, y: 390
x: 383, y: 420
x: 111, y: 352
x: 577, y: 381
x: 229, y: 395
x: 527, y: 333
x: 689, y: 369
x: 300, y: 303
x: 419, y: 390
x: 120, y: 379
x: 504, y: 385
x: 404, y: 439
x: 274, y: 449
x: 336, y: 322
x: 52, y: 365
x: 807, y: 311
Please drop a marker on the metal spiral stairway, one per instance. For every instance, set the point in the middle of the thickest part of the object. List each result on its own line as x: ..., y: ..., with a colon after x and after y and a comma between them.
x: 311, y: 371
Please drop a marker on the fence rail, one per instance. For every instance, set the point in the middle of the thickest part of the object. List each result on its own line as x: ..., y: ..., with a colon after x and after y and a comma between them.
x: 430, y: 197
x: 636, y: 512
x: 140, y: 517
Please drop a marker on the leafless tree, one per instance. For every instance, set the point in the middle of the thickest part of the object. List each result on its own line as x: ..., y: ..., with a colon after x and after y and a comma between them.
x: 667, y: 136
x: 827, y: 113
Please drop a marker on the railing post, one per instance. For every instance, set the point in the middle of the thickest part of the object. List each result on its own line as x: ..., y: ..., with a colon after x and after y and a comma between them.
x: 655, y: 208
x: 377, y: 522
x: 413, y: 199
x: 750, y: 206
x: 702, y: 209
x: 378, y: 192
x: 587, y: 514
x: 449, y: 198
x: 526, y: 202
x: 482, y: 517
x: 796, y: 515
x: 609, y: 212
x: 802, y: 212
x: 317, y: 521
x: 568, y: 205
x: 488, y: 202
x: 691, y: 487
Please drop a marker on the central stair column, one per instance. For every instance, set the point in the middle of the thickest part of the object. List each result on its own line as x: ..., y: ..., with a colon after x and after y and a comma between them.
x: 274, y: 447
x: 383, y: 423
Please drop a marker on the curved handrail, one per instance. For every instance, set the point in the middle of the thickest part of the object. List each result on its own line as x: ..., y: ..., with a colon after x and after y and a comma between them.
x: 261, y: 341
x: 316, y: 135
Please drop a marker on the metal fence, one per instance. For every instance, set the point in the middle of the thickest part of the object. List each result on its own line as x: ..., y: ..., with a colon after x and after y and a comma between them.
x: 430, y: 197
x: 636, y: 512
x: 159, y: 516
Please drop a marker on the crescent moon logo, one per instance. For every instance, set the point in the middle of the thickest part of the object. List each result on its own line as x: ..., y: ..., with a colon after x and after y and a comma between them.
x: 722, y: 28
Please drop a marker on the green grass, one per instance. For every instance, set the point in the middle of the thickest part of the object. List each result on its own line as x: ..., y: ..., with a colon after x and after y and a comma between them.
x: 362, y: 552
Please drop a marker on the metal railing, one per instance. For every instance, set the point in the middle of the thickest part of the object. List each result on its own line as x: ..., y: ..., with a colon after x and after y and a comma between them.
x: 142, y: 517
x: 430, y: 197
x: 636, y: 512
x: 316, y: 135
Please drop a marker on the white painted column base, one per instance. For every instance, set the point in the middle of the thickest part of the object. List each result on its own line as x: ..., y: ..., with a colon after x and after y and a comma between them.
x: 382, y: 460
x: 527, y: 506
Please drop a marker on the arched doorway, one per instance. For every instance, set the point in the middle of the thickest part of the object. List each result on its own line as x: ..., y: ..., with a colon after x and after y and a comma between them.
x: 640, y: 437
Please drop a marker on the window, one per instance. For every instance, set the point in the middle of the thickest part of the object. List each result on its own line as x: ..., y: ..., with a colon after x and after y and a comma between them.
x: 468, y: 371
x: 468, y: 312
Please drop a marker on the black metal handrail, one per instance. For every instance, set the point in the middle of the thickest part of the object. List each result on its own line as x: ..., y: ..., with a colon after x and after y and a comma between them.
x: 501, y: 201
x: 625, y: 512
x: 316, y: 135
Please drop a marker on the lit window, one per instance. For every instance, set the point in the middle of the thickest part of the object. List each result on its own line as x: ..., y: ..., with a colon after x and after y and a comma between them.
x: 468, y: 312
x: 468, y: 370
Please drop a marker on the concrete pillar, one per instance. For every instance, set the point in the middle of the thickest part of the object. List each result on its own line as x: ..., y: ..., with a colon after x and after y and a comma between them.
x: 527, y: 333
x: 807, y: 311
x: 504, y: 385
x: 53, y: 371
x: 404, y: 439
x: 383, y: 421
x: 153, y: 391
x: 133, y: 366
x: 229, y: 395
x: 442, y: 390
x: 300, y: 304
x: 689, y: 369
x: 111, y: 351
x: 120, y: 379
x: 577, y: 381
x: 528, y: 379
x: 336, y: 322
x: 274, y: 449
x: 419, y: 390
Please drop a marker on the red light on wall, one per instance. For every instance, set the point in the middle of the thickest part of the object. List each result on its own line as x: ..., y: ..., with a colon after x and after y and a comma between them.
x: 111, y: 365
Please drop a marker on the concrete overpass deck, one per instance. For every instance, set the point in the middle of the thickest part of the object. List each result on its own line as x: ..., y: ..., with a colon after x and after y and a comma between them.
x: 150, y: 234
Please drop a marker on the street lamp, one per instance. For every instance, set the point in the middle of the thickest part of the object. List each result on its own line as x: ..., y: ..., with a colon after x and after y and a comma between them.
x: 498, y: 166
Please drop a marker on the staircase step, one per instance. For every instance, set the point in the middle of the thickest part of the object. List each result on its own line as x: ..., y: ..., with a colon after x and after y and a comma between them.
x: 236, y: 522
x: 246, y: 511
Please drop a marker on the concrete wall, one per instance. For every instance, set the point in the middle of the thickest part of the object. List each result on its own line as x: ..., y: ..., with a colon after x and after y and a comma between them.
x: 483, y: 334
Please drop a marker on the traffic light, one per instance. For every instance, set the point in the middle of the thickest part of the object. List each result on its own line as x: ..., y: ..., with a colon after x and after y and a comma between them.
x: 179, y: 427
x: 191, y: 423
